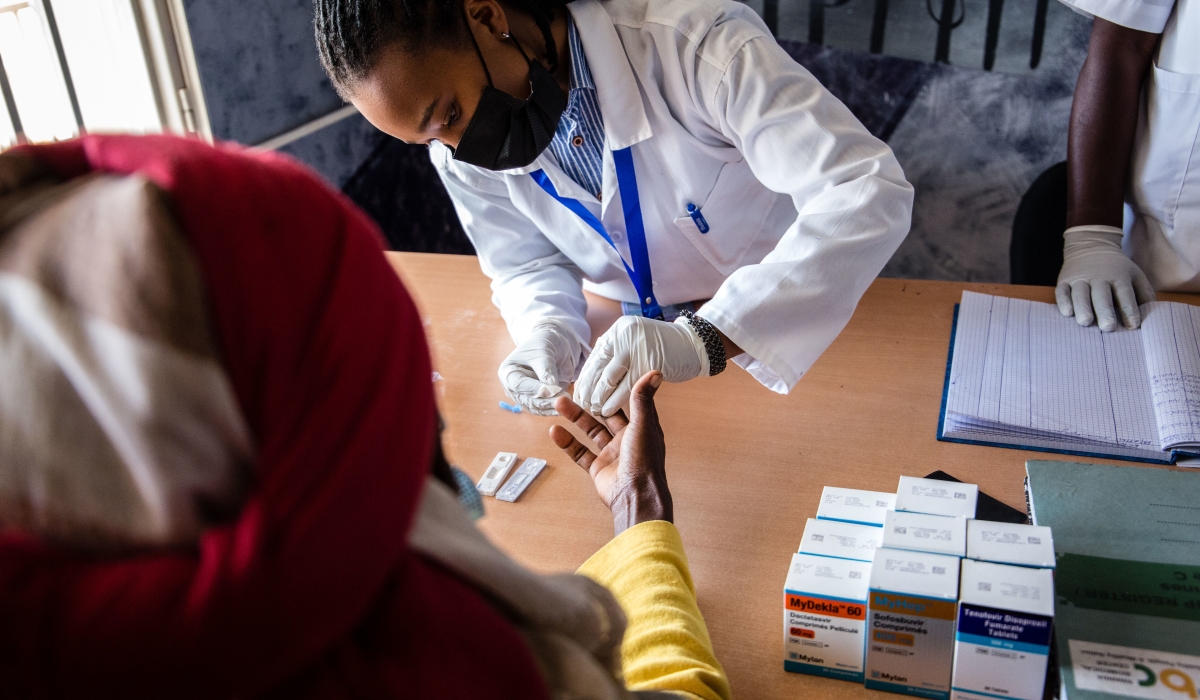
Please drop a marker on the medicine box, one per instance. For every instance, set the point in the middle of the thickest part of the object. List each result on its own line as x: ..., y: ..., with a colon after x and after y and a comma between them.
x: 1003, y: 639
x: 1009, y: 543
x: 937, y: 497
x: 824, y: 616
x: 910, y: 624
x: 830, y: 538
x: 854, y: 505
x: 922, y: 532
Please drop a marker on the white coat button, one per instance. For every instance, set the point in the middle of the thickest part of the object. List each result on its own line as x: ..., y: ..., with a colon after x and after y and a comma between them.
x: 617, y: 235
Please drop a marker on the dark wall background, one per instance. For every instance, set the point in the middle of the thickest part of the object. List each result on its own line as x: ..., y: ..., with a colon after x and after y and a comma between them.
x: 259, y: 66
x: 970, y: 141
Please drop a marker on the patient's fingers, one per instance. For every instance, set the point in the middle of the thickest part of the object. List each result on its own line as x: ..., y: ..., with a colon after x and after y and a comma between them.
x: 575, y: 449
x: 583, y: 420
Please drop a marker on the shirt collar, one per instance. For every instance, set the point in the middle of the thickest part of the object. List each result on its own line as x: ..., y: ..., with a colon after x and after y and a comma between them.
x: 617, y: 90
x: 581, y: 75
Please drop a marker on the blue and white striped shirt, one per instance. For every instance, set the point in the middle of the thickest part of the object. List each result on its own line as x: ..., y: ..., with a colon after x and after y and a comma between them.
x: 578, y: 143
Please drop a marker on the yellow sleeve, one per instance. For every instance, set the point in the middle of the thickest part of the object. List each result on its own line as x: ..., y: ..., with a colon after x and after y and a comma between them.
x: 666, y: 645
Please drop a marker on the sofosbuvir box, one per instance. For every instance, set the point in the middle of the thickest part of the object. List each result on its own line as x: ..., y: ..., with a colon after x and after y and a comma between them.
x: 824, y: 616
x: 855, y: 505
x: 1009, y: 543
x: 936, y: 497
x: 922, y: 532
x: 830, y: 538
x: 1003, y: 638
x: 910, y: 624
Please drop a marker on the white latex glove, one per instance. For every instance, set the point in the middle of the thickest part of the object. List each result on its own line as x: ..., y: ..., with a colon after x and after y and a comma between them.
x: 632, y: 347
x: 535, y: 373
x: 1095, y: 271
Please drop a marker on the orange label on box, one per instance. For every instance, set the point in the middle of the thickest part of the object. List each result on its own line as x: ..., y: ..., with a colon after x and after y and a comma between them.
x: 893, y: 638
x: 801, y: 632
x: 825, y: 606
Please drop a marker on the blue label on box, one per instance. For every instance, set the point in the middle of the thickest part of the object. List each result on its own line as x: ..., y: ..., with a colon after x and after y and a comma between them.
x: 1023, y: 629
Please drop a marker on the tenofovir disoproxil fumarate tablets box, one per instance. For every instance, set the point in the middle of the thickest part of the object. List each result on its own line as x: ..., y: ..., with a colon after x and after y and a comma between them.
x: 855, y: 505
x: 910, y: 623
x: 824, y: 616
x: 1003, y: 640
x: 830, y: 538
x: 1008, y: 543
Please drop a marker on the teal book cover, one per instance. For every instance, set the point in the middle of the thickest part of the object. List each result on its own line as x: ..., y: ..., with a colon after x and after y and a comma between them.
x: 1127, y: 541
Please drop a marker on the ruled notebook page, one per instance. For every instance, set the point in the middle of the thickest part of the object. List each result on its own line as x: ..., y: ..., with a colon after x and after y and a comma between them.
x: 1022, y: 373
x: 1171, y: 337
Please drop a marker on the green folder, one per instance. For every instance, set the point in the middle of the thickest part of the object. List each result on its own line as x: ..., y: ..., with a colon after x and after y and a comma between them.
x: 1127, y: 541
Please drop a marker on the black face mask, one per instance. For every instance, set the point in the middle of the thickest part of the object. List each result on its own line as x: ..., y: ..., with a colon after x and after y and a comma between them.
x: 505, y: 132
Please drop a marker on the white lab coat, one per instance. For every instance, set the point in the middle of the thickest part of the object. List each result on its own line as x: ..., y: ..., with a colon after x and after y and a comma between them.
x: 804, y: 205
x: 1162, y: 232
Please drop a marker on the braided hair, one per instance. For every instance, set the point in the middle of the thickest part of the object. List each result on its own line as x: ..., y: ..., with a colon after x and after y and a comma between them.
x: 351, y: 33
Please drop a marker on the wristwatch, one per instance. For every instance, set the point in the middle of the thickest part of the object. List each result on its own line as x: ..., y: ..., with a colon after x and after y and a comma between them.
x: 712, y: 341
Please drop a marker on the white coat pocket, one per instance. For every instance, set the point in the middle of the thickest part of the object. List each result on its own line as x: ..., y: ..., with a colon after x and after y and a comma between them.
x: 735, y: 211
x: 1166, y: 146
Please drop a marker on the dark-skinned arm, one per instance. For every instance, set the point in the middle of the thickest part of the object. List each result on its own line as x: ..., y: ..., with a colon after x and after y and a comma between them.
x: 666, y: 645
x: 1104, y: 118
x: 1098, y: 282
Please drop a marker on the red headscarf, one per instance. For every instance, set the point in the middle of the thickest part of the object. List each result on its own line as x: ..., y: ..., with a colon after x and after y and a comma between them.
x: 313, y: 591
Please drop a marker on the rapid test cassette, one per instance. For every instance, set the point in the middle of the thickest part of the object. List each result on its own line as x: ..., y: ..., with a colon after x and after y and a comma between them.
x: 521, y: 479
x: 494, y: 476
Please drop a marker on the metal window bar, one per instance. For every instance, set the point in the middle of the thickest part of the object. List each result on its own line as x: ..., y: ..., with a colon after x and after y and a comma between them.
x: 10, y: 103
x: 771, y: 16
x: 1039, y: 33
x: 878, y: 23
x: 48, y: 14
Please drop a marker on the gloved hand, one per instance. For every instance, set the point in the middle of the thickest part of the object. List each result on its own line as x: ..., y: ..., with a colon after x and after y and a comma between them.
x: 632, y: 347
x: 1094, y: 271
x: 535, y: 373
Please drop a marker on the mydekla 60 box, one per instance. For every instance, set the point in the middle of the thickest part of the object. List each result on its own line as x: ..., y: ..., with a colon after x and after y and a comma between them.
x: 824, y: 616
x: 1003, y: 639
x: 910, y: 624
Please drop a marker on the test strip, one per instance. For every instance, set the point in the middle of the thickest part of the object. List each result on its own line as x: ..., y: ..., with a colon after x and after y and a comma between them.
x: 494, y: 476
x: 521, y: 479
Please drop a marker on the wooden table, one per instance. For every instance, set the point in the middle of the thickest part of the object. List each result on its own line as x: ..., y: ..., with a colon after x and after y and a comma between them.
x: 745, y: 465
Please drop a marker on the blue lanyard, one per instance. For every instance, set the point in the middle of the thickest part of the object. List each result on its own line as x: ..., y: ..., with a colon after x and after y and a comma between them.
x: 631, y: 206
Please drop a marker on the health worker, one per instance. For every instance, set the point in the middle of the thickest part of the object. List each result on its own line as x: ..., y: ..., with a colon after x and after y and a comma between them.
x: 1133, y: 162
x: 654, y: 152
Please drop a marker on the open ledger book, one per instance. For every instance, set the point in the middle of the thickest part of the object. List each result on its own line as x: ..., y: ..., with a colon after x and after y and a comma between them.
x: 1023, y: 375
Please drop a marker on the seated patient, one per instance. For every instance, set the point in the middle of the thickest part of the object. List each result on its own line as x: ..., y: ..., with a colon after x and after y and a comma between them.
x: 220, y: 474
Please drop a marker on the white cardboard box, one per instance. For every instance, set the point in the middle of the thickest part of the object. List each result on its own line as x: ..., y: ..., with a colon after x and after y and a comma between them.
x: 824, y: 616
x: 1009, y: 543
x: 1003, y: 639
x: 855, y: 505
x: 922, y: 532
x: 830, y: 538
x: 911, y: 614
x: 936, y: 497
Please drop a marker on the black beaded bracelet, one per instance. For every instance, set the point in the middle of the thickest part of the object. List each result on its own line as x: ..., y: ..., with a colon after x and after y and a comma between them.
x: 712, y: 342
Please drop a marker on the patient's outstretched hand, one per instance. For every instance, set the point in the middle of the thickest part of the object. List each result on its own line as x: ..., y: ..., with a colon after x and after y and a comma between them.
x: 630, y: 470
